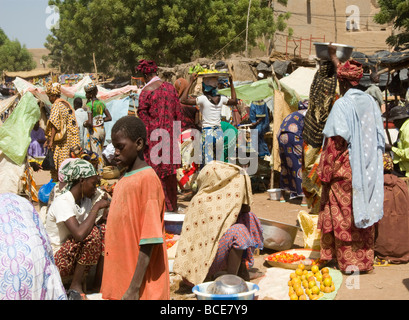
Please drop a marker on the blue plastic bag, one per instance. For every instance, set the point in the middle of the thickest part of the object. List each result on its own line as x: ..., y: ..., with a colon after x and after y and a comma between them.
x: 45, y: 190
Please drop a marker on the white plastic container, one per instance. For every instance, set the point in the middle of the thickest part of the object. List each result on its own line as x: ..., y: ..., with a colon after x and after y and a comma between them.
x: 275, y: 194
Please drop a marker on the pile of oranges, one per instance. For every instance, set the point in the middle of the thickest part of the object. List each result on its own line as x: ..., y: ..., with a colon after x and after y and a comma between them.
x: 312, y: 285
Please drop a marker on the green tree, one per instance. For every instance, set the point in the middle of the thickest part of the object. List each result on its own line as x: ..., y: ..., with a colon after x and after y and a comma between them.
x: 397, y: 13
x: 3, y: 37
x: 13, y: 56
x: 120, y: 32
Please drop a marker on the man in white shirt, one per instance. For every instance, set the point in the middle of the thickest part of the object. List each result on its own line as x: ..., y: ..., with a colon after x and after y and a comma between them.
x: 210, y: 104
x: 81, y: 115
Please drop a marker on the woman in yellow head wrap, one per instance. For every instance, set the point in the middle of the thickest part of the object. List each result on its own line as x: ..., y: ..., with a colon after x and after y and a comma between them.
x: 62, y: 115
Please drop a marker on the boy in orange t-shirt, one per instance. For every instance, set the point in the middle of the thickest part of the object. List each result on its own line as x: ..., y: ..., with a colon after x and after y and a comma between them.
x: 136, y: 263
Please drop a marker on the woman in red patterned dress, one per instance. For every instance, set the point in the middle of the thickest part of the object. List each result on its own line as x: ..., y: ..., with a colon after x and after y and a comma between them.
x: 341, y: 239
x: 351, y: 173
x: 159, y: 109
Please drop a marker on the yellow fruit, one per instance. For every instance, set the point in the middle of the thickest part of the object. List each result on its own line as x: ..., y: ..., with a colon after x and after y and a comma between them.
x: 305, y: 272
x: 332, y: 287
x: 315, y: 269
x: 303, y: 277
x: 318, y: 276
x: 299, y: 272
x: 327, y: 282
x: 311, y: 284
x: 299, y: 291
x: 290, y: 283
x: 324, y: 270
x: 302, y: 297
x: 314, y: 297
x: 296, y: 286
x: 315, y: 290
x: 301, y: 266
x: 327, y: 289
x: 296, y: 281
x: 311, y: 278
x: 308, y: 291
x: 321, y: 294
x: 305, y: 283
x: 293, y: 275
x: 293, y: 297
x: 322, y: 287
x: 326, y: 275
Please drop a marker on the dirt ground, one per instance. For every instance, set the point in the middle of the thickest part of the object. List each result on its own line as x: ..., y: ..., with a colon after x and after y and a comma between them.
x: 385, y: 283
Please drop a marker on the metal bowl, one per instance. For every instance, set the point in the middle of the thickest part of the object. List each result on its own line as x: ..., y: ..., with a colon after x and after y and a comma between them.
x: 228, y: 284
x: 277, y: 235
x: 343, y: 52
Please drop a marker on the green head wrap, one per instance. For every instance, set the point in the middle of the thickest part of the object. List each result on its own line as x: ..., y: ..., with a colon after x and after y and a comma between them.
x: 75, y: 170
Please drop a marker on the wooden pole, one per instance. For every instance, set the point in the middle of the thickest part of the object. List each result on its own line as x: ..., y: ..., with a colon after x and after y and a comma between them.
x: 387, y: 110
x: 95, y: 66
x: 247, y: 27
x: 335, y: 20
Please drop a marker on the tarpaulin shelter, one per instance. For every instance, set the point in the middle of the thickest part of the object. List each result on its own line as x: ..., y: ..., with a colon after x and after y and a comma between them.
x: 116, y: 100
x: 74, y: 91
x: 15, y: 131
x: 300, y: 81
x: 285, y: 101
x: 15, y: 138
x: 5, y: 105
x: 36, y: 73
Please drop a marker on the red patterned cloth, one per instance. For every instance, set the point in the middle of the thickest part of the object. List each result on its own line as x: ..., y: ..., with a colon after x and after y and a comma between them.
x: 159, y: 109
x: 353, y: 248
x: 351, y: 71
x: 147, y: 66
x: 86, y: 252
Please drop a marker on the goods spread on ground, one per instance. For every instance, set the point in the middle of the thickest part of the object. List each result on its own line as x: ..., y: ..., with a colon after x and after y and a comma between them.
x: 290, y: 259
x: 299, y: 274
x: 310, y: 285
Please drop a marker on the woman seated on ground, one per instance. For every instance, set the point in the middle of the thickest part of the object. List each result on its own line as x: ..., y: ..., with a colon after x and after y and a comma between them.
x: 392, y: 231
x: 219, y: 232
x: 74, y: 227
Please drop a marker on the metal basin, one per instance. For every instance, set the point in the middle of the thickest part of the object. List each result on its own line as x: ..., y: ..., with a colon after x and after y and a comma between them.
x: 343, y: 52
x: 228, y: 284
x: 277, y: 235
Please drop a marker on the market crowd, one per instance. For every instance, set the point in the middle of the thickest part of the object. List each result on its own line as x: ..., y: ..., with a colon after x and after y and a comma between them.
x: 334, y: 157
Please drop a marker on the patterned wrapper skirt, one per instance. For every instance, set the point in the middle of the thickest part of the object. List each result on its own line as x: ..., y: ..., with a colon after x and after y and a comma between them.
x: 86, y: 252
x: 212, y: 144
x: 245, y: 235
x: 352, y: 247
x: 95, y: 143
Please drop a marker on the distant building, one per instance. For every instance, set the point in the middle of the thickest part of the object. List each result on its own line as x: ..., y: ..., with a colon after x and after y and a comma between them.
x: 341, y: 21
x: 38, y: 57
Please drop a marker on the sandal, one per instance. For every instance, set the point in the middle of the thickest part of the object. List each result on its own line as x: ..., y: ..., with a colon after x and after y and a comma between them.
x: 75, y: 295
x: 380, y: 262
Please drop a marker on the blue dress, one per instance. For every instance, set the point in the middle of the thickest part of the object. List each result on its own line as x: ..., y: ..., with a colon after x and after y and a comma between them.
x: 290, y: 148
x: 260, y: 110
